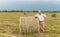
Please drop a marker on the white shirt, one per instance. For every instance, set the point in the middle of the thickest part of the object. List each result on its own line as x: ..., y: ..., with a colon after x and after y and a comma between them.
x: 41, y: 17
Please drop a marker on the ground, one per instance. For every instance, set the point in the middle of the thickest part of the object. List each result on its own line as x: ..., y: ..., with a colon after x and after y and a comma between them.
x: 9, y: 24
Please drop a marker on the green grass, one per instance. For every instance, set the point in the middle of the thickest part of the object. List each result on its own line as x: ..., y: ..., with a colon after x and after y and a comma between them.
x: 9, y: 23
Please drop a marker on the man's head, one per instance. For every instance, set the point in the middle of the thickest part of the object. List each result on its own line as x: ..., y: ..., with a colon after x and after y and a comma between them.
x: 39, y: 11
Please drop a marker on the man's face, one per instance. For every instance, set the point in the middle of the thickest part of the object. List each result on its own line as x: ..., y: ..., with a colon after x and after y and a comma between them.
x: 39, y: 13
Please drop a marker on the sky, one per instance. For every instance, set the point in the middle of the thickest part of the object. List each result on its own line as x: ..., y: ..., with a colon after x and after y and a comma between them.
x: 29, y: 5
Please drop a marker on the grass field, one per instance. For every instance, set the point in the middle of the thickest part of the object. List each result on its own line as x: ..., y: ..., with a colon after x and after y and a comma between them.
x: 9, y: 24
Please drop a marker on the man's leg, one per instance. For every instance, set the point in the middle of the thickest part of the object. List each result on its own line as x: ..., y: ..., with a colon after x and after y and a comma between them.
x: 41, y: 24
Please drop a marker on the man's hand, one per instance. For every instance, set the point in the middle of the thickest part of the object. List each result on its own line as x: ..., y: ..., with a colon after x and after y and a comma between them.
x: 35, y: 17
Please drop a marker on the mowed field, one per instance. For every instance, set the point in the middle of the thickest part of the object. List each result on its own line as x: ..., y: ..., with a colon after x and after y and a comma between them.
x: 9, y: 24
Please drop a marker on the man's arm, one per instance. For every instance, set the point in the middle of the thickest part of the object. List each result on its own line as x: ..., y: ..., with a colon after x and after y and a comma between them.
x: 36, y: 17
x: 45, y: 17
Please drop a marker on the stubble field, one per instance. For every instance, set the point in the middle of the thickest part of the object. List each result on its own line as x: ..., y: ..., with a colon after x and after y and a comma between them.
x: 9, y: 24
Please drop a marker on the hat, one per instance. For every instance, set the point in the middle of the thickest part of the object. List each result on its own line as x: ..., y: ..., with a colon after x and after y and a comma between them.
x: 39, y: 10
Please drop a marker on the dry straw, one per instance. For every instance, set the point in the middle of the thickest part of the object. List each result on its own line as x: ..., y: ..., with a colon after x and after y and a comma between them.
x: 28, y: 24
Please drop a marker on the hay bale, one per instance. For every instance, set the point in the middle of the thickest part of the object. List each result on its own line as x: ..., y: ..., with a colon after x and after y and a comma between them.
x: 25, y: 13
x: 28, y: 24
x: 53, y: 15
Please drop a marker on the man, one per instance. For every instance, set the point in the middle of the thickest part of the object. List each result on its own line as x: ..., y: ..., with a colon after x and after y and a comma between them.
x: 41, y: 17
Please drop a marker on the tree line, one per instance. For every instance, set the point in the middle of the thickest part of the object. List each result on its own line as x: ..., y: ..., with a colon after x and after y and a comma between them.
x: 26, y: 11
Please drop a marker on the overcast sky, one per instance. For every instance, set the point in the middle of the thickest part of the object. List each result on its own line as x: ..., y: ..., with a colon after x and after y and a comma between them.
x: 30, y: 5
